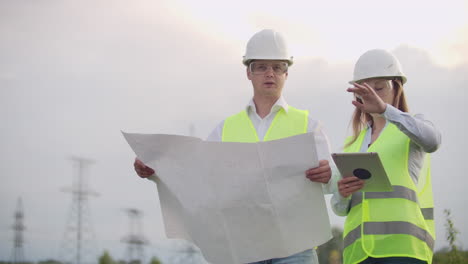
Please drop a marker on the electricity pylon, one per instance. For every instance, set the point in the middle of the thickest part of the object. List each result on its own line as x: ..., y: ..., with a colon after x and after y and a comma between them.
x: 78, y: 246
x: 134, y: 239
x: 17, y: 255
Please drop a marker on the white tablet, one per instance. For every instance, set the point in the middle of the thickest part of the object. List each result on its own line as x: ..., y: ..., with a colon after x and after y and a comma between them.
x: 366, y: 166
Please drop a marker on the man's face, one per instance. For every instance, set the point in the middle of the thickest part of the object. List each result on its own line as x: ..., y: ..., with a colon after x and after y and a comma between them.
x: 268, y: 76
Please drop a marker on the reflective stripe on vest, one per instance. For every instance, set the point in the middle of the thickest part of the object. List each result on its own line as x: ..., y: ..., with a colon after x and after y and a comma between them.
x: 239, y: 127
x: 388, y: 228
x: 398, y: 192
x: 428, y: 213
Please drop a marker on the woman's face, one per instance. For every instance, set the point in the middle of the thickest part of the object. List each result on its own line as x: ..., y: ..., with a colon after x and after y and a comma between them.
x: 383, y: 88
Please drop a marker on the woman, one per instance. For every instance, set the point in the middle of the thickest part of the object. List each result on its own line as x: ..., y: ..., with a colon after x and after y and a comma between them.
x: 398, y: 226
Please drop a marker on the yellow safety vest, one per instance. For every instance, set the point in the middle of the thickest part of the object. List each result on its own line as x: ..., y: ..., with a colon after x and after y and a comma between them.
x: 239, y: 127
x: 391, y: 224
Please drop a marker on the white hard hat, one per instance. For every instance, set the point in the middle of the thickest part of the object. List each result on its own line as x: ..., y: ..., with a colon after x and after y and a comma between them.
x: 377, y: 63
x: 267, y: 45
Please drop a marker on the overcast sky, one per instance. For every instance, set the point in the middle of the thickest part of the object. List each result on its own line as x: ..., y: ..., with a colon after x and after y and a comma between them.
x: 73, y: 74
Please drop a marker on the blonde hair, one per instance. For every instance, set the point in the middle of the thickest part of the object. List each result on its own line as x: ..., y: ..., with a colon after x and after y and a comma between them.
x: 360, y: 119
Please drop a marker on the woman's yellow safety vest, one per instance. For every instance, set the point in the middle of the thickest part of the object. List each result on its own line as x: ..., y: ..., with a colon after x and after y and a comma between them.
x: 399, y: 223
x: 239, y: 128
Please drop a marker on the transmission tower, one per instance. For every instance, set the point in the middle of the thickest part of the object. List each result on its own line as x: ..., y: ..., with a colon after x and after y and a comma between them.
x: 134, y: 239
x: 17, y: 255
x: 191, y: 130
x: 78, y: 246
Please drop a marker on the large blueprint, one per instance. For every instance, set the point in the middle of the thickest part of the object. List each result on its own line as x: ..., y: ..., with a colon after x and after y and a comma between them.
x: 238, y: 202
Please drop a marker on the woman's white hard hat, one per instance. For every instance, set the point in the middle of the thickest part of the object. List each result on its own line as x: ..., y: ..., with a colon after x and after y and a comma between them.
x: 377, y: 63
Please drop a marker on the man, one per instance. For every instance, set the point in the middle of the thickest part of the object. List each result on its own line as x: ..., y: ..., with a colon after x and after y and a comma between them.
x: 269, y: 117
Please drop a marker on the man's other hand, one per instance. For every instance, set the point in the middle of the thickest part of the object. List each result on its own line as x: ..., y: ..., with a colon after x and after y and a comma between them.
x: 320, y: 174
x: 141, y: 169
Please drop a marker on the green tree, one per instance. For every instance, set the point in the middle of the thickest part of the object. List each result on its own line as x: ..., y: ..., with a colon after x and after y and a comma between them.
x: 451, y: 235
x: 451, y: 254
x: 155, y: 260
x: 49, y: 261
x: 332, y: 251
x: 106, y: 258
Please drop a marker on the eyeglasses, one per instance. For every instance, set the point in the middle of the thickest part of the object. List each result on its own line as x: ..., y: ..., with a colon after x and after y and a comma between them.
x: 262, y: 68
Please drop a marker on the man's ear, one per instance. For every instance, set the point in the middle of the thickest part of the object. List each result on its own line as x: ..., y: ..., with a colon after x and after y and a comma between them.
x: 248, y: 73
